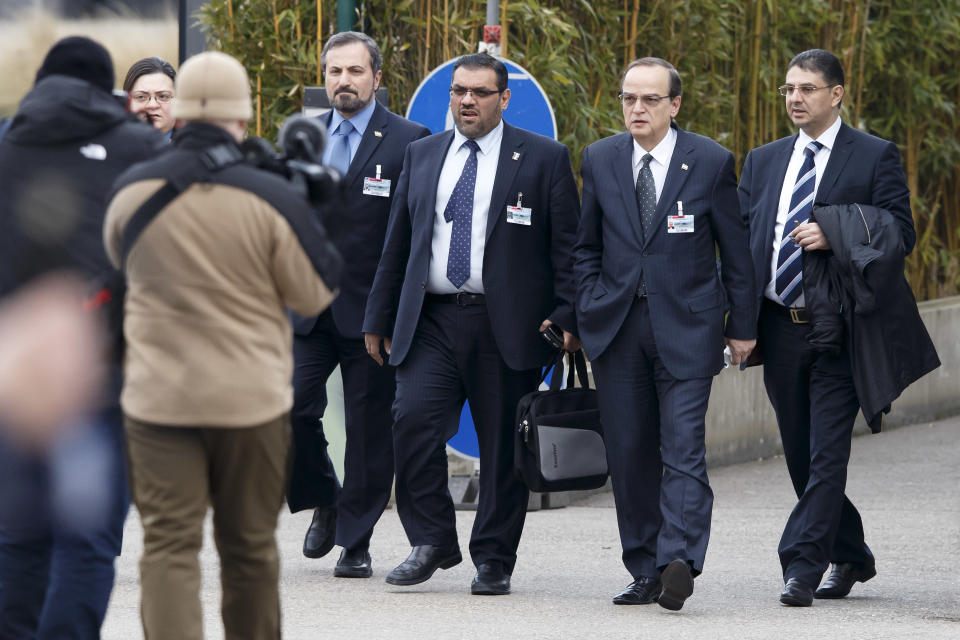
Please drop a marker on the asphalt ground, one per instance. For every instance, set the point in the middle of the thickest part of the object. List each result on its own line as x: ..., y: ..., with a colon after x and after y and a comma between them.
x: 905, y: 482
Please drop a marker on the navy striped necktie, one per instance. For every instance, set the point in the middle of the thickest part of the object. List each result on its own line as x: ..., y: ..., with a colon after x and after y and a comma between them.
x: 789, y: 276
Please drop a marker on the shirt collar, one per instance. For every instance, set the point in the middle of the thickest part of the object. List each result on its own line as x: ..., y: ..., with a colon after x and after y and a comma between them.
x: 827, y: 138
x: 661, y: 153
x: 359, y: 120
x: 487, y: 143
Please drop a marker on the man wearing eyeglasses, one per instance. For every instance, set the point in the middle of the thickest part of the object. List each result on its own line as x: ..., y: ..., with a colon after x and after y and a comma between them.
x: 477, y: 260
x: 658, y: 203
x: 812, y: 392
x: 366, y: 144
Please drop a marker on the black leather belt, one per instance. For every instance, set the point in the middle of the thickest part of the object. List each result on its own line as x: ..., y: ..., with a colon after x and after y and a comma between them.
x: 462, y: 298
x: 797, y: 315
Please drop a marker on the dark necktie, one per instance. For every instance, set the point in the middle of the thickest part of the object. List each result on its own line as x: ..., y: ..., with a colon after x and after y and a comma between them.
x: 789, y: 276
x: 646, y: 194
x: 460, y: 210
x: 340, y: 154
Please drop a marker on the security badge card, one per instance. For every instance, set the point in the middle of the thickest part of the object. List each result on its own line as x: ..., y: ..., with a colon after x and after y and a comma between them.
x: 680, y: 223
x: 376, y: 186
x: 519, y: 214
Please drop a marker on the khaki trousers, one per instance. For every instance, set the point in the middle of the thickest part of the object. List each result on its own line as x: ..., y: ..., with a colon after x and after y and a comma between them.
x: 175, y: 473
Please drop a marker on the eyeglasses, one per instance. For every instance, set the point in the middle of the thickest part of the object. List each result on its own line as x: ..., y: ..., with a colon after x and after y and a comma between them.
x: 803, y: 89
x: 650, y: 101
x: 142, y: 97
x: 479, y: 94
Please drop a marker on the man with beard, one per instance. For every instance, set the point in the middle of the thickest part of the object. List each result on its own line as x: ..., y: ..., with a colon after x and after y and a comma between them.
x: 478, y: 259
x: 366, y: 143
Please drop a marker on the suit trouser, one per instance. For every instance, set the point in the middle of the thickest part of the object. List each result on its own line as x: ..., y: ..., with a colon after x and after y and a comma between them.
x: 453, y: 358
x: 368, y: 391
x: 176, y: 473
x: 814, y: 398
x: 55, y: 576
x: 653, y: 427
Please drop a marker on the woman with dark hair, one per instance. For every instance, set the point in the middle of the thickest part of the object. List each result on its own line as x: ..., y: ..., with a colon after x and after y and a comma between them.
x: 149, y: 83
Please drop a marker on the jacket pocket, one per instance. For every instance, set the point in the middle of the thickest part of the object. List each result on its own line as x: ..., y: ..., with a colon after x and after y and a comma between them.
x: 598, y: 291
x: 706, y: 301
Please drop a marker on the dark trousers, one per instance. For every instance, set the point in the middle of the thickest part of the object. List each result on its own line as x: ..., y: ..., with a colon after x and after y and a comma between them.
x: 653, y: 427
x: 368, y: 391
x: 815, y: 401
x: 56, y: 575
x: 453, y: 358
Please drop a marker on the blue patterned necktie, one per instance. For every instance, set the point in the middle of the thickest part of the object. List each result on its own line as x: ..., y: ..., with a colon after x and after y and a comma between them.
x: 646, y: 194
x: 460, y: 210
x: 789, y: 276
x: 340, y: 154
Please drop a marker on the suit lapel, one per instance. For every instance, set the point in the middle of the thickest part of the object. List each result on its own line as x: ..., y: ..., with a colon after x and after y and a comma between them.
x: 622, y: 171
x: 431, y: 175
x: 368, y: 143
x: 774, y: 185
x: 839, y: 155
x: 681, y: 164
x: 511, y: 155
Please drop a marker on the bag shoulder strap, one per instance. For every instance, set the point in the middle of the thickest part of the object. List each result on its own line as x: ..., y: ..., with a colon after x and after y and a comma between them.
x: 213, y: 159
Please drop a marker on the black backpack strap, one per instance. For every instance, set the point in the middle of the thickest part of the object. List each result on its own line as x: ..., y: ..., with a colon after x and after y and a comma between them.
x: 212, y: 160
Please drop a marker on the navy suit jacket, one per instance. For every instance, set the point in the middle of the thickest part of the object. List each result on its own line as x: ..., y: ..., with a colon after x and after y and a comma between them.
x: 687, y: 294
x: 357, y: 228
x: 862, y: 169
x: 527, y: 270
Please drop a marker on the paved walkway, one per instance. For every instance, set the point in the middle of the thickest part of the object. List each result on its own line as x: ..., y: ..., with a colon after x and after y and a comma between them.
x: 905, y: 482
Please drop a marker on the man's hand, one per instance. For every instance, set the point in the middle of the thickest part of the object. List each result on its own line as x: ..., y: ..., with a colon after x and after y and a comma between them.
x: 571, y: 343
x: 372, y: 340
x: 809, y: 236
x: 739, y: 349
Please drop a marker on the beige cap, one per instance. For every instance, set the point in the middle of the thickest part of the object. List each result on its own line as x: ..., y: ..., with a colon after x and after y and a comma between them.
x: 212, y: 86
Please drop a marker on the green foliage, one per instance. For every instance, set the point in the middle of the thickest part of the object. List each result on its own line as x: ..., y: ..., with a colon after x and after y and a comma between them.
x: 900, y: 56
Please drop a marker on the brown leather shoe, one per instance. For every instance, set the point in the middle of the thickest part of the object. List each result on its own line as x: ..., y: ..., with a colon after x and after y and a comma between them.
x: 842, y: 578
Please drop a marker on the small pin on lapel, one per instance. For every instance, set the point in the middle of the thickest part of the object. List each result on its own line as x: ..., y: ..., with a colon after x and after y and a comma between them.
x: 378, y: 134
x: 516, y: 155
x: 684, y: 167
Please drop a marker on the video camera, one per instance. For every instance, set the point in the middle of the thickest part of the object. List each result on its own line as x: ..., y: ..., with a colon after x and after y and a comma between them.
x: 300, y: 159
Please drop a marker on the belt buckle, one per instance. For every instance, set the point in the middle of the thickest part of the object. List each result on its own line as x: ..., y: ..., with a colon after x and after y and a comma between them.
x: 795, y: 316
x: 462, y: 297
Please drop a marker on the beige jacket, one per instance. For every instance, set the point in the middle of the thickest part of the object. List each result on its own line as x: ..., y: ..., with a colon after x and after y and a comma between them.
x: 208, y: 340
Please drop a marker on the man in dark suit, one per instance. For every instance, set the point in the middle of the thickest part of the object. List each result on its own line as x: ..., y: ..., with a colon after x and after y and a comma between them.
x: 366, y: 143
x: 812, y: 392
x: 658, y: 202
x: 478, y: 259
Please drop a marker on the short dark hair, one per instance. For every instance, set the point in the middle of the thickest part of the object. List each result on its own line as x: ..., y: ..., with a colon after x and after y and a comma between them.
x: 676, y: 88
x: 146, y: 67
x: 485, y: 61
x: 349, y: 37
x: 822, y: 62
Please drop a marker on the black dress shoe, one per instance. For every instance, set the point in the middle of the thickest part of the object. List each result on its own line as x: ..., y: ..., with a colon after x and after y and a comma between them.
x: 677, y: 582
x: 643, y: 590
x: 422, y: 562
x: 491, y: 580
x: 320, y: 536
x: 796, y: 594
x: 842, y: 579
x: 353, y: 563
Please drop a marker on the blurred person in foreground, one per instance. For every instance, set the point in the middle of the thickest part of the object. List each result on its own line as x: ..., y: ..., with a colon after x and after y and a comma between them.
x: 207, y: 379
x: 64, y: 496
x: 149, y: 84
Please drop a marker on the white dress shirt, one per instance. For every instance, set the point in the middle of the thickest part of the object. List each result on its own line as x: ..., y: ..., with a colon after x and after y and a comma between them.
x: 820, y: 159
x: 661, y: 160
x: 487, y: 160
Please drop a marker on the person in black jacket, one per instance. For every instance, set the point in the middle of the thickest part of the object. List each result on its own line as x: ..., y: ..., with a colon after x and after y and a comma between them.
x: 66, y: 145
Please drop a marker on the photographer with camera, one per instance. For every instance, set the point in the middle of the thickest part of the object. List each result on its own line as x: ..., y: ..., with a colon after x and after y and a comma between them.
x: 215, y: 251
